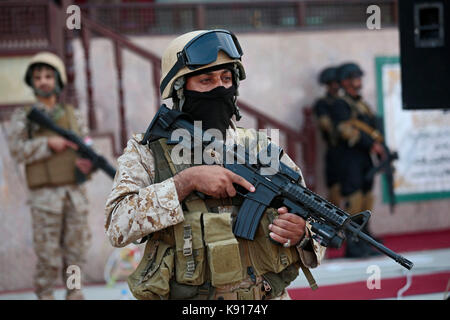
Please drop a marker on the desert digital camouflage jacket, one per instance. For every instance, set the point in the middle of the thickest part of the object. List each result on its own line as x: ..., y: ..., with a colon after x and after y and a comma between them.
x: 137, y: 206
x: 26, y: 150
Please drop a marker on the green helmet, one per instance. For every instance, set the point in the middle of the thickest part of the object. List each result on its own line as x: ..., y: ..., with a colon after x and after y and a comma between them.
x: 328, y: 75
x: 349, y: 70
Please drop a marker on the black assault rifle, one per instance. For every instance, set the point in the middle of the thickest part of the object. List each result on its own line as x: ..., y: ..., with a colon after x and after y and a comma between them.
x: 283, y: 187
x: 386, y: 166
x: 84, y: 151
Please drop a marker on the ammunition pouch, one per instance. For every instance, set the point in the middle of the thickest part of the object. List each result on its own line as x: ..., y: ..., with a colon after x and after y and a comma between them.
x: 151, y: 279
x: 224, y: 259
x: 279, y: 281
x: 266, y: 255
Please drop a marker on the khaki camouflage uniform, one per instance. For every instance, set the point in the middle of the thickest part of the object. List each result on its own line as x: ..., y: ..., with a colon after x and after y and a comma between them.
x: 60, y: 214
x: 137, y: 207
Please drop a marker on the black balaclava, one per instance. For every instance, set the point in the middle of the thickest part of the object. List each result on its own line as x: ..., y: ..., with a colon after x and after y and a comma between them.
x: 214, y: 108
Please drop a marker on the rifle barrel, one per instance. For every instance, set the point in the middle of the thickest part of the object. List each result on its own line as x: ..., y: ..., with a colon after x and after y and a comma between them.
x: 398, y: 258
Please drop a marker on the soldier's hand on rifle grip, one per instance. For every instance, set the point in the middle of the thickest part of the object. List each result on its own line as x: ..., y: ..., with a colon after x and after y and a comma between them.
x: 85, y: 165
x: 287, y: 226
x: 59, y: 144
x: 212, y: 180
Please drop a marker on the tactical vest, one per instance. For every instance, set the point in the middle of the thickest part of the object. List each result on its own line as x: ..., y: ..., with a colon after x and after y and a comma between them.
x: 358, y: 107
x: 190, y: 259
x: 362, y: 118
x: 326, y: 126
x: 59, y: 168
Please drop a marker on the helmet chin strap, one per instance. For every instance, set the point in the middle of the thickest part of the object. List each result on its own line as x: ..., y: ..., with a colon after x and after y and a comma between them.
x: 237, y: 82
x: 178, y: 86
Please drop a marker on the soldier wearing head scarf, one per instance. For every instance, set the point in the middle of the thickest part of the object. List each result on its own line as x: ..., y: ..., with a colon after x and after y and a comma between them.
x: 191, y: 251
x: 54, y: 172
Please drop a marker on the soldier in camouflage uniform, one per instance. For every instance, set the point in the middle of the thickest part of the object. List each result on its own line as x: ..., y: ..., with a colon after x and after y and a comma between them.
x: 191, y: 252
x: 324, y: 111
x: 58, y: 203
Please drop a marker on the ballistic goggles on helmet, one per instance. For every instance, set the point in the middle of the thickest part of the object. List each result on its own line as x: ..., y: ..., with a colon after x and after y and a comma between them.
x: 203, y: 50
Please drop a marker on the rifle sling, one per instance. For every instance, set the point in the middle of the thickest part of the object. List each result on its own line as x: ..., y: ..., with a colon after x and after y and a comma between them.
x: 373, y: 133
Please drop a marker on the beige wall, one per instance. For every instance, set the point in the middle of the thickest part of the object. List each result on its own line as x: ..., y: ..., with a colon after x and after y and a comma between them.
x: 12, y: 71
x: 281, y: 79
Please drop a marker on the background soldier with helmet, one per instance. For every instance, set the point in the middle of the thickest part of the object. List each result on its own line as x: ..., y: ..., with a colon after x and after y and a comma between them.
x: 53, y: 173
x: 357, y: 127
x: 324, y: 111
x: 191, y: 252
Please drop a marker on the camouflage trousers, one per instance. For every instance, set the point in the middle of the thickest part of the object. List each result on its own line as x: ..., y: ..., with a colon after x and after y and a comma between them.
x: 60, y: 240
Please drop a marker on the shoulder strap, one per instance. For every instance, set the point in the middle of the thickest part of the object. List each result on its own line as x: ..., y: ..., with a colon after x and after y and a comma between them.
x: 28, y: 122
x: 308, y: 275
x: 357, y: 107
x: 360, y: 125
x: 352, y: 106
x: 73, y: 123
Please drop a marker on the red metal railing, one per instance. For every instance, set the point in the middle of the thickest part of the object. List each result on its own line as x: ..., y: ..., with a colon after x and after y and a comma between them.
x: 60, y: 42
x: 247, y: 16
x: 27, y: 28
x: 119, y: 43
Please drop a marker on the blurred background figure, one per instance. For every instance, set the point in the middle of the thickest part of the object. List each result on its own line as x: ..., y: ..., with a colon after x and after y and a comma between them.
x: 59, y: 207
x: 357, y: 145
x: 323, y: 110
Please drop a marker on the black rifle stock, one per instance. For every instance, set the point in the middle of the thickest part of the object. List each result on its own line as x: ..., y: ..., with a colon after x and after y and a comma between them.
x: 280, y: 188
x: 85, y: 151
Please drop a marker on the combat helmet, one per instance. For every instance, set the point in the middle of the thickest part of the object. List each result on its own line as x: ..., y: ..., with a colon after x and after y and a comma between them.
x: 49, y: 59
x: 349, y: 70
x: 198, y: 50
x: 328, y: 75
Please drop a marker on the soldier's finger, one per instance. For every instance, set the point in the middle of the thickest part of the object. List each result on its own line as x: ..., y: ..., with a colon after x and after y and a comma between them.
x: 241, y: 181
x: 278, y: 238
x: 231, y: 191
x: 224, y: 194
x: 291, y: 217
x: 286, y: 224
x: 282, y: 210
x: 281, y: 232
x: 72, y: 145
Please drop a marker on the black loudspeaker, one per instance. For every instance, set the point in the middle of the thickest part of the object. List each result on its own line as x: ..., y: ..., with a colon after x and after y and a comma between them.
x: 425, y: 53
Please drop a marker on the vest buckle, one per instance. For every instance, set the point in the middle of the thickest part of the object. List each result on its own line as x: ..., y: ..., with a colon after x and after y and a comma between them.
x: 187, y: 237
